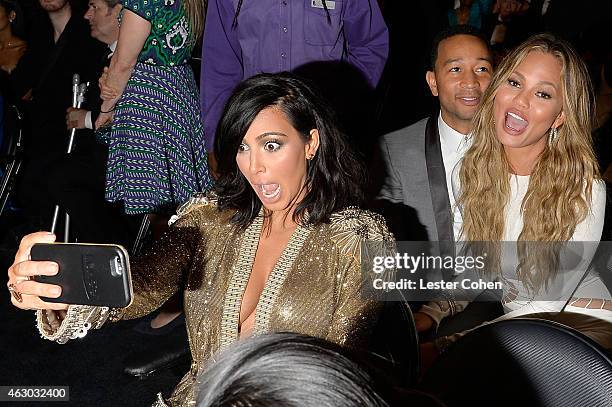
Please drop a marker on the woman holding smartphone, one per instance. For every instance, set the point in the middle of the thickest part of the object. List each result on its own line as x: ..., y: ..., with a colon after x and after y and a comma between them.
x: 276, y: 249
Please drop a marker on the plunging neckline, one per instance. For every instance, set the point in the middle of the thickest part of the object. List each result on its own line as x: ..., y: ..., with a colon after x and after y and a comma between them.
x: 241, y: 272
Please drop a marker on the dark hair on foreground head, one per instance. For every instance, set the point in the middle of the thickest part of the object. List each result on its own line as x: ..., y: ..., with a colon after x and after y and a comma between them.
x: 285, y: 370
x: 452, y: 31
x: 334, y: 177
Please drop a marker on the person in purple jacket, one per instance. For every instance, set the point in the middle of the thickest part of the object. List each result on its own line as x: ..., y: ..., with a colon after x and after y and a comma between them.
x: 245, y: 37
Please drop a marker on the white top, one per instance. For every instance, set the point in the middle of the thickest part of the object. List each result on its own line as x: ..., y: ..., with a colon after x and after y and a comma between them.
x: 589, y: 230
x: 453, y: 145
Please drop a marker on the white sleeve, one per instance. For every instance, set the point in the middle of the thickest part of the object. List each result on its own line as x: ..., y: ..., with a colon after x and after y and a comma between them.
x: 88, y: 123
x: 590, y: 229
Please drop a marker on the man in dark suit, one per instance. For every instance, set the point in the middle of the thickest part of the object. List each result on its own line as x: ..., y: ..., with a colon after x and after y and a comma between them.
x: 102, y: 16
x: 416, y: 196
x: 83, y: 196
x: 61, y: 48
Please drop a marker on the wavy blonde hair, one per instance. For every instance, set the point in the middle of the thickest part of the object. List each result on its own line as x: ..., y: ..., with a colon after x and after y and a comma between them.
x: 195, y: 11
x: 559, y: 194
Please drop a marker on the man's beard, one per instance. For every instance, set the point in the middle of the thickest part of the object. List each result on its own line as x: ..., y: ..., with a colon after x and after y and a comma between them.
x: 51, y: 6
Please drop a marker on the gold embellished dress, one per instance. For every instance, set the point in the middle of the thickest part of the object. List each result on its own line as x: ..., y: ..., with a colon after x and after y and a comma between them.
x: 314, y: 289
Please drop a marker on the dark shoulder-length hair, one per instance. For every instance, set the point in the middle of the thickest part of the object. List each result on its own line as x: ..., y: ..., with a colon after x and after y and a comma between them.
x: 286, y: 370
x: 334, y: 177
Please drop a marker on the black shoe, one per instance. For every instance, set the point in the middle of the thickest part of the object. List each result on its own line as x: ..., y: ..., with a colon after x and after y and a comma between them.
x: 144, y: 325
x: 160, y: 352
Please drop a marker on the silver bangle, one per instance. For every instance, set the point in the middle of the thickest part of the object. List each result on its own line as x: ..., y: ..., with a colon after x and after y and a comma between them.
x: 78, y: 321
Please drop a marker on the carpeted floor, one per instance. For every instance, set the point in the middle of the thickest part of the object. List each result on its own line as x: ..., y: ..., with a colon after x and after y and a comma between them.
x: 91, y: 366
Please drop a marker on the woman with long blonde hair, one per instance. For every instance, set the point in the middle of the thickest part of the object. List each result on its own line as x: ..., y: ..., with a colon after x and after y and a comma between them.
x: 530, y: 176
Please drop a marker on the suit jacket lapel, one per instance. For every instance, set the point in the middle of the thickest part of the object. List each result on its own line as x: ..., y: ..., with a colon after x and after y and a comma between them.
x: 57, y: 51
x: 437, y: 185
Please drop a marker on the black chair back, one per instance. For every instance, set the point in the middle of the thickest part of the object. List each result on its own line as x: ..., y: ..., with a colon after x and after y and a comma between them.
x: 395, y: 344
x: 522, y: 362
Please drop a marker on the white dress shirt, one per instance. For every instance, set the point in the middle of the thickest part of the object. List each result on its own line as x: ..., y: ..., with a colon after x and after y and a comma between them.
x: 453, y: 145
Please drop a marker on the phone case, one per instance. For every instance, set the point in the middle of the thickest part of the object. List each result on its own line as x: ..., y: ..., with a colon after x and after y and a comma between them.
x: 89, y: 274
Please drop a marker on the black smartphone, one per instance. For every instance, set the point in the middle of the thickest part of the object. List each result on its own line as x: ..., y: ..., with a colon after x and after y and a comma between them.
x: 89, y: 274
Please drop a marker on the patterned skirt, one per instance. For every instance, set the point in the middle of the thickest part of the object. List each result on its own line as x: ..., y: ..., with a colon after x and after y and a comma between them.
x: 156, y: 158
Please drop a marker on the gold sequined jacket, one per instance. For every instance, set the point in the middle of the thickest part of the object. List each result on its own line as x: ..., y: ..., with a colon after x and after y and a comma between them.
x: 314, y: 289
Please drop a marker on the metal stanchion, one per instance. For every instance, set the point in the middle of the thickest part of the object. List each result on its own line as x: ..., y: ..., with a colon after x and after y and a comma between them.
x: 78, y: 97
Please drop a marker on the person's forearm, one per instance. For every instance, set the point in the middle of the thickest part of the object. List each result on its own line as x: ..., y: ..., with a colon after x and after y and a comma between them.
x: 132, y: 36
x: 62, y: 326
x: 119, y: 73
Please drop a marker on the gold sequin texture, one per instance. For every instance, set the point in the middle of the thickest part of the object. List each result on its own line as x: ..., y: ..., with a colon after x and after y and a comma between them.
x: 314, y: 289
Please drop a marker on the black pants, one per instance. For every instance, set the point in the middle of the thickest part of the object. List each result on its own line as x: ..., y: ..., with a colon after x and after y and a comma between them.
x: 76, y: 183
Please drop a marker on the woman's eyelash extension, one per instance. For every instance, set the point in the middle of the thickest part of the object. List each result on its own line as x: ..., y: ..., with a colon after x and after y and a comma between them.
x: 277, y: 142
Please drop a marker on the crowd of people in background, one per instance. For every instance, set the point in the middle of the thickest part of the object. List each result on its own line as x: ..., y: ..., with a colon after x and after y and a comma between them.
x: 345, y: 55
x: 434, y: 114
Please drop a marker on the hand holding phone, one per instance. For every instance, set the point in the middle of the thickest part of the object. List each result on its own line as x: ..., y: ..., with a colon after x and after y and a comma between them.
x: 25, y: 292
x: 89, y: 274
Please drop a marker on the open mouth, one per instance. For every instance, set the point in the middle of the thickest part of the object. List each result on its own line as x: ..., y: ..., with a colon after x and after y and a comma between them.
x: 515, y: 122
x: 270, y: 191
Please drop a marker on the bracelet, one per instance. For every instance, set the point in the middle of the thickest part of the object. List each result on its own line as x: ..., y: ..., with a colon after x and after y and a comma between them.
x: 108, y: 111
x: 78, y: 321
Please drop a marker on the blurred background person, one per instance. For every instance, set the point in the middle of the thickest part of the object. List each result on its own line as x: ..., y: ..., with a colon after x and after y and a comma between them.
x: 341, y: 46
x: 77, y: 181
x: 507, y: 26
x: 12, y: 46
x: 60, y: 46
x: 103, y: 18
x: 157, y: 158
x: 469, y: 12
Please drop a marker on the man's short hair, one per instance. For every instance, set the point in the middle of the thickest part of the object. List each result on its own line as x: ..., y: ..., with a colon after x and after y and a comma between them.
x: 451, y: 32
x: 111, y: 3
